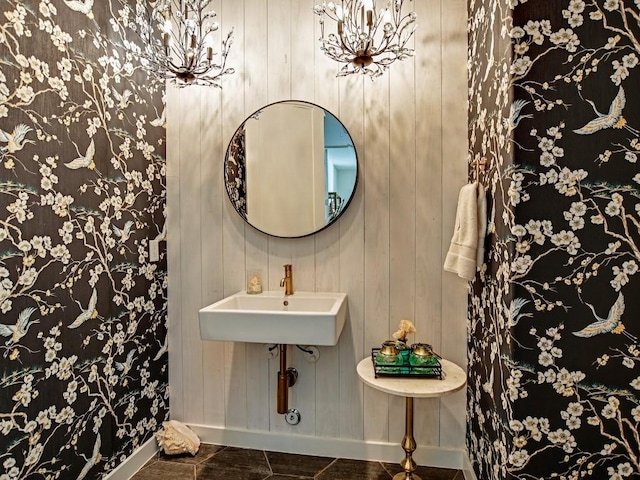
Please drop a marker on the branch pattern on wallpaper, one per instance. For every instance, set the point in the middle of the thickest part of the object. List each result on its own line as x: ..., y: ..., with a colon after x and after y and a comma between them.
x: 82, y: 189
x: 554, y: 348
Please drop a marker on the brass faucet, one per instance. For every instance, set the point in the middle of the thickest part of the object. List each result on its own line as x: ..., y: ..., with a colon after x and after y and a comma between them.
x: 287, y: 281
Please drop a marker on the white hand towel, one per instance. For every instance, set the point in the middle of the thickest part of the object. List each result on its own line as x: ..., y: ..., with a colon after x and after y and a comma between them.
x: 466, y: 251
x: 482, y: 225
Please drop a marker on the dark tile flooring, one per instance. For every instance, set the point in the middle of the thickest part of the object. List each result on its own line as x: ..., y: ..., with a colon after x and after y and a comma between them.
x: 230, y: 463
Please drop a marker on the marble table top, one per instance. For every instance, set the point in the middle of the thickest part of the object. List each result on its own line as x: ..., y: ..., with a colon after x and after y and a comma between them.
x: 454, y: 378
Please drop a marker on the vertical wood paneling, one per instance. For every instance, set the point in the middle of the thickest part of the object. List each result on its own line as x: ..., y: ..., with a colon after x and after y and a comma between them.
x: 454, y: 163
x: 174, y: 256
x: 386, y: 251
x: 281, y: 251
x: 212, y: 214
x: 376, y: 241
x: 211, y: 241
x: 191, y: 254
x: 429, y: 195
x: 351, y: 344
x: 402, y: 207
x: 303, y: 394
x: 234, y: 353
x: 279, y: 54
x: 256, y: 243
x: 234, y: 255
x: 233, y: 262
x: 327, y: 242
x: 454, y: 52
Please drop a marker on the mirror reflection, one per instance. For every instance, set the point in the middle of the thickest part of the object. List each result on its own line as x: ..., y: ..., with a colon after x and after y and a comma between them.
x: 291, y: 169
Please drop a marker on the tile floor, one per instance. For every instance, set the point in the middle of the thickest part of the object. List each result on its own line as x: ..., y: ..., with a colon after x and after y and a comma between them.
x: 230, y: 463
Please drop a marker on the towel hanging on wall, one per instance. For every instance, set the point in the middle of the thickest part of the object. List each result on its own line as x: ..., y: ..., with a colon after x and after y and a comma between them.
x: 466, y: 252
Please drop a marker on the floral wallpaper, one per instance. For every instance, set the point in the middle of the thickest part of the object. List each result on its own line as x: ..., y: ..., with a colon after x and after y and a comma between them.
x: 554, y: 373
x: 83, y: 314
x: 235, y: 172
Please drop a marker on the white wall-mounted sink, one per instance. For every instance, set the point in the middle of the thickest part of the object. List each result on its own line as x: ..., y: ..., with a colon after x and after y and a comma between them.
x: 310, y: 318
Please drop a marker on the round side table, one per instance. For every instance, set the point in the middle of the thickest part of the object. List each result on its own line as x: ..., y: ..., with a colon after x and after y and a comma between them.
x: 453, y: 379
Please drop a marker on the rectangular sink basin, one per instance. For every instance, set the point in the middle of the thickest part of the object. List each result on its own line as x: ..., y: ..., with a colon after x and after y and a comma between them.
x: 309, y: 318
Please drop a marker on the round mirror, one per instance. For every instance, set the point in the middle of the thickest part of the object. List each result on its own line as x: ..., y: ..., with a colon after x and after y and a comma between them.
x: 291, y: 169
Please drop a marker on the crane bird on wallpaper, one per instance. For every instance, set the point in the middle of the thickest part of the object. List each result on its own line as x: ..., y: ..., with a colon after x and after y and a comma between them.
x: 123, y: 100
x: 21, y: 327
x: 91, y: 462
x: 15, y: 140
x: 83, y: 161
x: 514, y: 311
x: 511, y: 122
x: 88, y: 313
x: 123, y: 233
x: 160, y: 120
x: 82, y: 6
x: 612, y: 119
x: 163, y: 348
x: 125, y: 366
x: 612, y: 323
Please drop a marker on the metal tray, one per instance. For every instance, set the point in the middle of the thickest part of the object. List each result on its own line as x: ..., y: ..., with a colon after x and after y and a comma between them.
x: 403, y: 367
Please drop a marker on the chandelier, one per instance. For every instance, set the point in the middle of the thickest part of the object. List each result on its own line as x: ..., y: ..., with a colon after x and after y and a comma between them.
x: 179, y: 44
x: 367, y: 40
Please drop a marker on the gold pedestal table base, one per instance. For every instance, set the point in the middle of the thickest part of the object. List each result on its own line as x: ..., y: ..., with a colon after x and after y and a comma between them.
x: 453, y: 379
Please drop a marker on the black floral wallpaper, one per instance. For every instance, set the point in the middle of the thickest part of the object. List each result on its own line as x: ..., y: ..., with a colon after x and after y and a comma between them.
x: 235, y: 167
x: 83, y: 315
x: 553, y: 340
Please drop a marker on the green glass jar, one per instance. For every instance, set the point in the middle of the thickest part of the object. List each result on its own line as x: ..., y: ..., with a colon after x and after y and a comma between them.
x: 422, y: 355
x: 388, y: 354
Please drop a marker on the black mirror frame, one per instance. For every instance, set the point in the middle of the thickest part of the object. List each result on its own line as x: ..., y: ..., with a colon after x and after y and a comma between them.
x: 231, y: 174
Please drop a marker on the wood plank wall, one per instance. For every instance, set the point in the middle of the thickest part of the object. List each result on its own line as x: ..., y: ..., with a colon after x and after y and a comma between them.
x: 386, y: 251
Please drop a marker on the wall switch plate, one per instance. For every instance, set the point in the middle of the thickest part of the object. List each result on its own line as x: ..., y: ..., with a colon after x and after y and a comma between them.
x: 154, y: 250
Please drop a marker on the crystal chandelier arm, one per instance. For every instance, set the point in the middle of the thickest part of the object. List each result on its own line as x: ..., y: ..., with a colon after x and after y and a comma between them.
x: 223, y: 70
x: 177, y: 35
x: 405, y: 22
x: 202, y: 34
x: 335, y: 41
x: 345, y: 46
x: 398, y: 34
x: 351, y: 19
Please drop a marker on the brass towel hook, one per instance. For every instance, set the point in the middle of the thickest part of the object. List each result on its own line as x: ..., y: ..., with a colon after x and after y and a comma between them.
x: 480, y: 166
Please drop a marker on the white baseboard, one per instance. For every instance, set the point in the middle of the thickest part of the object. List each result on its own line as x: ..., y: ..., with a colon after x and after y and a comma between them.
x: 328, y: 447
x: 467, y: 468
x: 134, y: 462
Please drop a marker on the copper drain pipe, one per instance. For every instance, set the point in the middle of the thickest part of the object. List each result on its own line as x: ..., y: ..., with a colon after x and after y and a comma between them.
x: 286, y: 378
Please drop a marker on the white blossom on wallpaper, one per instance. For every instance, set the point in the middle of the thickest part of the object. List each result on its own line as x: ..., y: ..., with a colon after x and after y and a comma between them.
x: 82, y: 191
x: 554, y: 348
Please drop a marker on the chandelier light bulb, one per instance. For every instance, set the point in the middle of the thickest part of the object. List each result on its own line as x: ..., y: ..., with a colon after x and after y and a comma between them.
x: 166, y: 27
x: 364, y: 39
